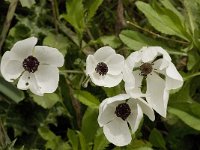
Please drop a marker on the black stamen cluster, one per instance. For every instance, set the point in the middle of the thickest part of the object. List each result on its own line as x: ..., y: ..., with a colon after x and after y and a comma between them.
x: 101, y: 68
x: 146, y: 68
x: 30, y: 64
x: 123, y: 111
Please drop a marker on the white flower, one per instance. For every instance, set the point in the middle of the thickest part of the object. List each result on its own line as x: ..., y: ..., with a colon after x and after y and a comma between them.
x: 35, y: 66
x: 117, y: 112
x: 105, y: 67
x: 153, y: 64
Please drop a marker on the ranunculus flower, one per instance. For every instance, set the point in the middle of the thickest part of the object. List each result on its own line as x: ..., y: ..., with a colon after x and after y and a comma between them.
x: 152, y: 66
x: 115, y: 113
x: 35, y: 66
x: 105, y: 67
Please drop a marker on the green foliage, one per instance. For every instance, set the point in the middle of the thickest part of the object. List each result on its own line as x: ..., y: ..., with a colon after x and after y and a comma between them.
x: 157, y: 139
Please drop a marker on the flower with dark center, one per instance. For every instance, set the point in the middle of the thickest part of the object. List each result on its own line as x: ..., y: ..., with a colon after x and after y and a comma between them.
x: 105, y: 67
x: 123, y: 111
x: 101, y: 68
x: 120, y: 114
x: 146, y: 68
x: 30, y: 64
x: 35, y: 67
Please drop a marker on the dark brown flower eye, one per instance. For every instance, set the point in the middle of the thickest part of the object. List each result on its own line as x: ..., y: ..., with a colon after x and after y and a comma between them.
x: 30, y: 64
x: 146, y: 69
x: 123, y: 111
x: 101, y: 68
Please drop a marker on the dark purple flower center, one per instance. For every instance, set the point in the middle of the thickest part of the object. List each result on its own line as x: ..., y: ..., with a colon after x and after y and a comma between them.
x: 30, y: 64
x: 123, y: 111
x: 101, y: 68
x: 146, y: 68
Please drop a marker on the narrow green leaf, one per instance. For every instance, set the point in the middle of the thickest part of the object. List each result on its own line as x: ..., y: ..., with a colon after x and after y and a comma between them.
x: 87, y: 98
x: 188, y: 119
x: 157, y: 139
x: 73, y: 139
x: 100, y: 141
x: 89, y: 124
x: 92, y: 6
x: 75, y: 14
x: 84, y: 145
x: 11, y: 91
x: 46, y: 101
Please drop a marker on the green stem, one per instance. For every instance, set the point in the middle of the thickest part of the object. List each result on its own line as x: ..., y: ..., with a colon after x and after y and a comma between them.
x: 9, y: 17
x: 191, y: 76
x: 71, y: 71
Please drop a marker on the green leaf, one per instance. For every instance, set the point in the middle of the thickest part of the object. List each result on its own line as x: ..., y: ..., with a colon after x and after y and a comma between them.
x: 27, y: 3
x: 193, y: 59
x: 89, y: 124
x: 73, y: 139
x: 57, y: 41
x: 157, y: 139
x: 100, y: 141
x: 188, y: 119
x: 139, y: 145
x: 87, y: 98
x: 92, y: 6
x: 110, y: 40
x: 75, y: 15
x: 11, y: 91
x: 84, y: 145
x: 46, y: 101
x: 136, y: 41
x: 163, y: 20
x: 113, y: 91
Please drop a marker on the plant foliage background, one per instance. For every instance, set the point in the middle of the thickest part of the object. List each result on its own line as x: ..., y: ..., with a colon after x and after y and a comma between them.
x: 67, y: 119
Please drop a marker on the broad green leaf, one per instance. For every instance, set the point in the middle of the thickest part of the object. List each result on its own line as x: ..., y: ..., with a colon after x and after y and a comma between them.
x: 163, y: 20
x: 87, y: 98
x: 100, y: 141
x: 92, y: 6
x: 11, y: 91
x: 73, y: 139
x: 139, y: 145
x: 27, y: 3
x: 157, y: 139
x: 89, y: 124
x: 75, y: 14
x: 136, y: 41
x: 46, y: 101
x: 57, y: 41
x: 110, y: 40
x: 193, y: 59
x: 192, y: 13
x: 113, y: 91
x: 188, y: 119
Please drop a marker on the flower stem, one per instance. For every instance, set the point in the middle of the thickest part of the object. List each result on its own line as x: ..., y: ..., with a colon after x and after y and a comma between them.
x: 71, y: 71
x: 9, y: 17
x: 155, y: 34
x: 191, y: 76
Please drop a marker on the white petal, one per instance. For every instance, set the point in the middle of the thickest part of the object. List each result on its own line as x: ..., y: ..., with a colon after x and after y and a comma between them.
x: 24, y: 80
x: 148, y: 54
x: 34, y: 86
x: 24, y: 48
x: 103, y: 53
x: 134, y: 90
x: 135, y: 117
x: 112, y: 80
x: 49, y: 55
x: 11, y: 70
x: 146, y: 108
x: 163, y: 52
x: 155, y: 94
x: 97, y: 79
x: 120, y: 97
x: 115, y: 64
x: 134, y: 59
x: 117, y: 132
x: 173, y: 79
x: 91, y: 64
x: 106, y: 114
x: 47, y: 77
x: 128, y: 76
